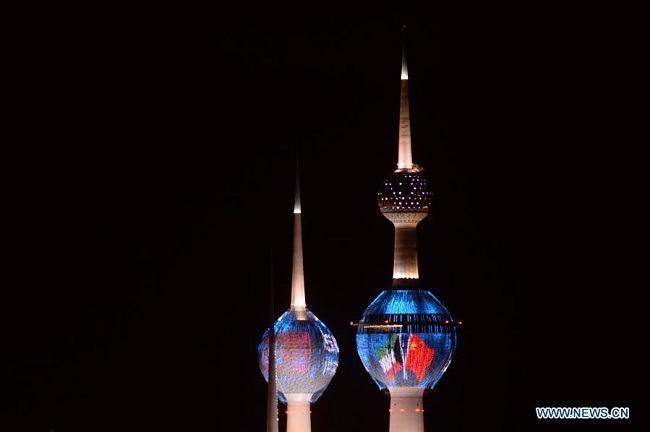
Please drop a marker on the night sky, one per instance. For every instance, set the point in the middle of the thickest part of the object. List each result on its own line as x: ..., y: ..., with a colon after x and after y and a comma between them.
x: 149, y: 195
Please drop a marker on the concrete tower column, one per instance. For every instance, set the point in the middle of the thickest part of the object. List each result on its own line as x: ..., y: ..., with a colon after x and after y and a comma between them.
x: 405, y: 259
x: 298, y: 412
x: 406, y: 409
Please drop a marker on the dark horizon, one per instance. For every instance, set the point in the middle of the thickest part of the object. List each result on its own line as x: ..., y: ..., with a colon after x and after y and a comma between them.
x: 152, y: 173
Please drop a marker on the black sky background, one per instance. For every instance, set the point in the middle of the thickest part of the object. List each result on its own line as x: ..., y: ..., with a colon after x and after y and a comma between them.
x: 150, y: 179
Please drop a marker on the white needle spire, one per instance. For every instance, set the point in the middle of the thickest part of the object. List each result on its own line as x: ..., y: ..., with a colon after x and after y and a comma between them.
x: 404, y: 157
x: 298, y: 276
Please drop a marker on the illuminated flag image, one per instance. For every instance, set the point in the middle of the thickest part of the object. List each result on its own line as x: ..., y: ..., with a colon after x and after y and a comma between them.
x: 406, y: 338
x: 418, y: 356
x: 390, y: 358
x: 404, y: 357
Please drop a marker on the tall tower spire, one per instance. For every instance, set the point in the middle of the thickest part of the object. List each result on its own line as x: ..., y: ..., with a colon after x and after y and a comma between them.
x: 298, y: 302
x: 306, y: 352
x: 404, y: 197
x: 406, y: 337
x: 404, y: 157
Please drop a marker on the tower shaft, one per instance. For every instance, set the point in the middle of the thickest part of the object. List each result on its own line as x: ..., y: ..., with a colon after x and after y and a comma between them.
x: 405, y: 259
x: 298, y: 412
x: 406, y: 409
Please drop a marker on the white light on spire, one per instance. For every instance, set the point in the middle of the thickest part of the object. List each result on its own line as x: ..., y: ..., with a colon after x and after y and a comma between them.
x: 405, y: 72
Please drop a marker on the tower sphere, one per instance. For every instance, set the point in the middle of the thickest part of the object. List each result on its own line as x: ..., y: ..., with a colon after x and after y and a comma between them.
x: 404, y: 196
x: 406, y: 338
x: 307, y: 354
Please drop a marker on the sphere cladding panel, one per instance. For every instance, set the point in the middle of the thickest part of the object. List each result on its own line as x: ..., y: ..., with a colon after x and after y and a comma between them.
x: 306, y: 355
x: 416, y: 354
x: 404, y: 191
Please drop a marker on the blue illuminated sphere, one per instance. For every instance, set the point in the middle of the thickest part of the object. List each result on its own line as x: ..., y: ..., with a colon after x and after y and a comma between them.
x: 406, y: 338
x: 306, y: 354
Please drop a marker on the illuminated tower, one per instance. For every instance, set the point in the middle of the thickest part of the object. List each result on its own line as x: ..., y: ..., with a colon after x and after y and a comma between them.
x: 406, y: 338
x: 306, y: 352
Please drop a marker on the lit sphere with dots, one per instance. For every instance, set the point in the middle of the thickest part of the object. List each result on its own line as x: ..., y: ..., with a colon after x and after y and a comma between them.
x: 404, y: 196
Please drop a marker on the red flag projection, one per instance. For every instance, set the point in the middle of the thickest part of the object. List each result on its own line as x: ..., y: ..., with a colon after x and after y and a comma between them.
x: 418, y: 356
x: 389, y: 357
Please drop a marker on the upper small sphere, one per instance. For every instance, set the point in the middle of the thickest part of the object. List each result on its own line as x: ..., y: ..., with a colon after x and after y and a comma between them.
x: 405, y: 195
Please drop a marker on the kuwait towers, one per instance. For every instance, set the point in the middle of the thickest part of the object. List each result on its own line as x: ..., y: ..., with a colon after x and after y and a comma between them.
x: 306, y: 352
x: 406, y: 338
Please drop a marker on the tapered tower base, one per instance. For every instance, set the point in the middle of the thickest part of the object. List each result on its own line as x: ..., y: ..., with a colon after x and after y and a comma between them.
x: 406, y: 409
